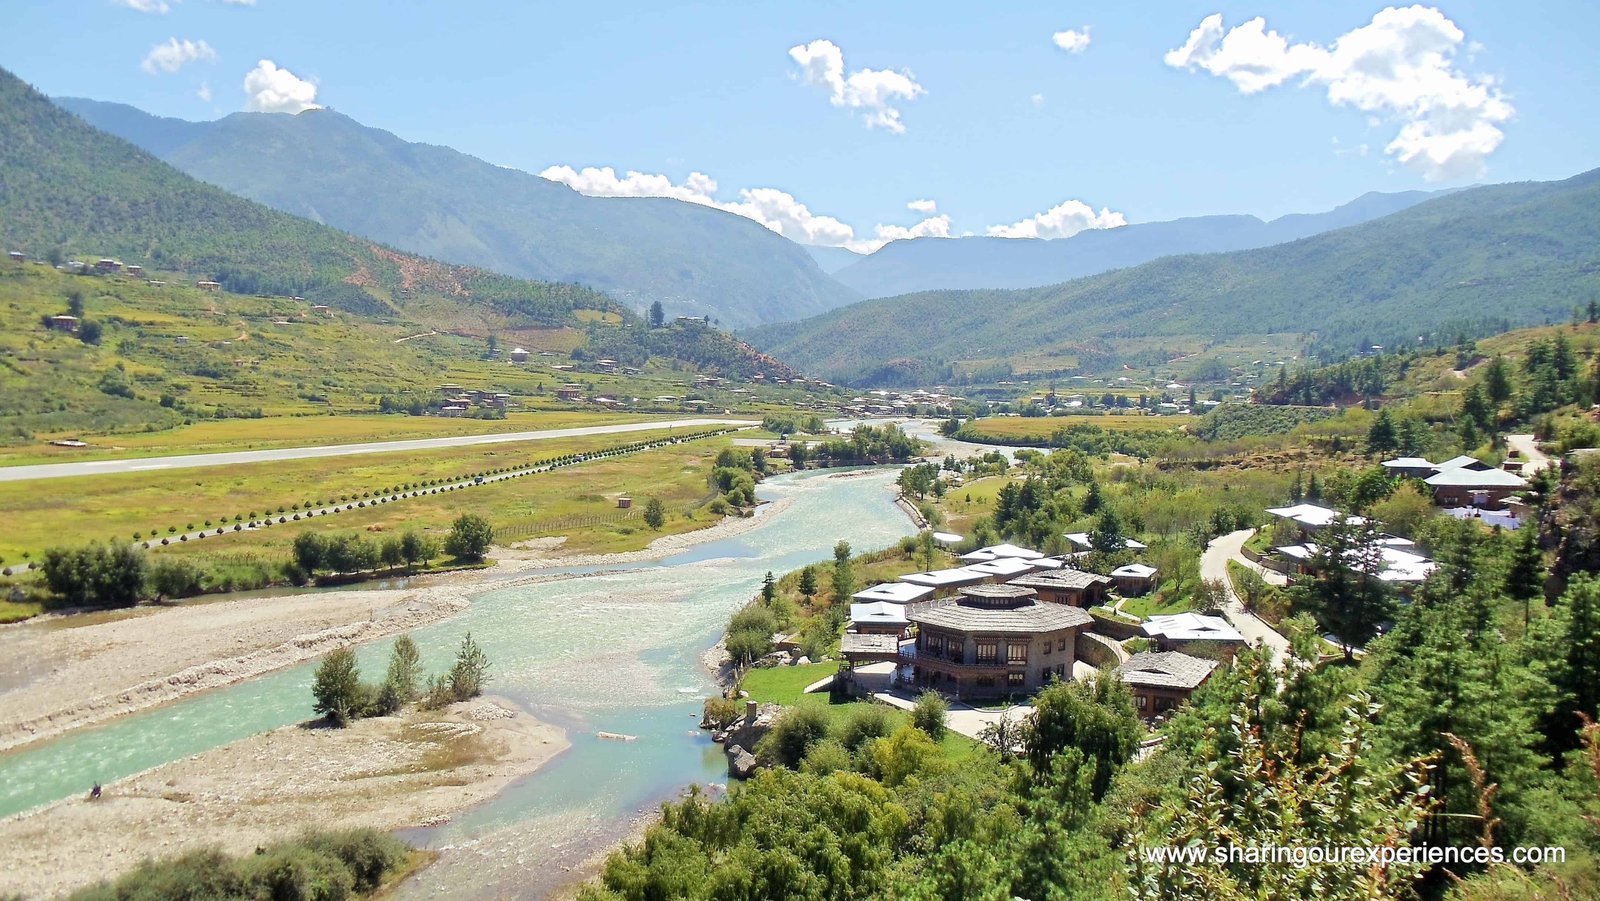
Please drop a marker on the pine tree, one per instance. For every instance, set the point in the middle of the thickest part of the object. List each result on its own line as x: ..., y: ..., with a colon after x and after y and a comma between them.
x: 1297, y: 488
x: 1579, y: 676
x: 1524, y: 579
x: 1497, y: 380
x: 769, y: 588
x: 658, y: 317
x: 808, y: 582
x: 844, y: 577
x: 1381, y: 438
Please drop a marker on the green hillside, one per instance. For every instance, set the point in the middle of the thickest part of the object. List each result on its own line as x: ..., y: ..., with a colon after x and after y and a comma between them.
x: 1473, y: 262
x: 71, y: 191
x: 435, y: 201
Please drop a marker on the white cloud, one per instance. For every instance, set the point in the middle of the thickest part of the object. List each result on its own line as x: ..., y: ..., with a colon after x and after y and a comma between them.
x: 1072, y: 41
x: 1399, y: 68
x: 870, y: 90
x: 1061, y: 221
x: 922, y: 206
x: 773, y: 208
x: 175, y: 54
x: 155, y: 7
x: 1038, y: 100
x: 205, y: 91
x: 932, y: 227
x: 275, y: 90
x: 239, y: 2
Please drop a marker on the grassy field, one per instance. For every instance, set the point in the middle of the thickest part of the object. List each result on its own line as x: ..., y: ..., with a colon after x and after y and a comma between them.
x: 1039, y: 427
x: 73, y: 511
x: 963, y: 506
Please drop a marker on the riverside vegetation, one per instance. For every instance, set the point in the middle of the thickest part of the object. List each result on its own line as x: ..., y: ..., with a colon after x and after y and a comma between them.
x: 341, y: 696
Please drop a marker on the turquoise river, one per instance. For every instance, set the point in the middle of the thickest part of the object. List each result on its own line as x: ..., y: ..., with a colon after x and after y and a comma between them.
x: 615, y: 650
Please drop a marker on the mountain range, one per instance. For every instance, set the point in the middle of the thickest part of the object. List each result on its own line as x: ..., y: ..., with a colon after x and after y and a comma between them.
x: 934, y: 264
x: 1518, y: 253
x: 68, y: 190
x: 437, y: 202
x: 694, y: 259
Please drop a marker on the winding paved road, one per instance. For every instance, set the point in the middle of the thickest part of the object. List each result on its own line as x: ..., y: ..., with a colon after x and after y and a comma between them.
x: 1214, y: 565
x: 233, y: 458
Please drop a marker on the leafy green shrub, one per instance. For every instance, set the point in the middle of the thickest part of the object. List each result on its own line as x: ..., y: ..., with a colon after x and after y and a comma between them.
x: 930, y: 714
x: 865, y: 723
x: 791, y: 737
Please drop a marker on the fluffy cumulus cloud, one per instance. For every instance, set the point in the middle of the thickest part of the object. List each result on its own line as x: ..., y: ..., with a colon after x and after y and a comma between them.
x: 931, y: 227
x: 1060, y: 221
x: 776, y: 209
x: 154, y: 7
x: 871, y: 91
x: 175, y: 54
x: 1400, y: 67
x: 922, y: 206
x: 271, y: 89
x: 1072, y: 40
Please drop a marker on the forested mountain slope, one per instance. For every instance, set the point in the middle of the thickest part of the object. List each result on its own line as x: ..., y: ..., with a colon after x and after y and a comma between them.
x: 1516, y: 254
x: 435, y: 201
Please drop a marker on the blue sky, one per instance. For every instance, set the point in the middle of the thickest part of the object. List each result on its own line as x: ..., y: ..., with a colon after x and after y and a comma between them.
x: 997, y: 122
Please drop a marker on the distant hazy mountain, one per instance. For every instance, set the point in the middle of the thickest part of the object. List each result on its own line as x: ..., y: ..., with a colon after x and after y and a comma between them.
x: 1511, y: 254
x: 832, y: 259
x: 444, y: 204
x: 932, y: 264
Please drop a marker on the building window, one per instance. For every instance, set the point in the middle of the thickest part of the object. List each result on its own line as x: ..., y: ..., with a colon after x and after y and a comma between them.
x: 1143, y: 702
x: 988, y: 651
x: 1016, y: 652
x: 1047, y: 647
x: 1015, y: 680
x: 1063, y: 644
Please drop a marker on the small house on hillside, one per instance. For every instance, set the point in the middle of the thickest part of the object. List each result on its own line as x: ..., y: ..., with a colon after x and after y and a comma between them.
x: 1134, y: 579
x: 1072, y: 587
x: 1194, y: 631
x: 519, y: 355
x: 1470, y: 482
x: 1163, y: 680
x: 64, y: 323
x: 902, y: 593
x: 1082, y: 542
x: 570, y: 392
x: 206, y: 285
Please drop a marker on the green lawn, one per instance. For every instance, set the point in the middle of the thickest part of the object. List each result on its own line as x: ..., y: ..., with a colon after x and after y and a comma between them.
x: 784, y: 684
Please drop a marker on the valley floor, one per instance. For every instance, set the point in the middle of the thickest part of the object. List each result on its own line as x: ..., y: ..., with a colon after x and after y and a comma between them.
x: 386, y: 773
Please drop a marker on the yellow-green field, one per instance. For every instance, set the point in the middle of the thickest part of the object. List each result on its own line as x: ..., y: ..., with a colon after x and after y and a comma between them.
x: 76, y: 510
x: 1041, y: 427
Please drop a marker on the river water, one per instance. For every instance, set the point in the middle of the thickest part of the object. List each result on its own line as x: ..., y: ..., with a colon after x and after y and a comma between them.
x: 613, y: 651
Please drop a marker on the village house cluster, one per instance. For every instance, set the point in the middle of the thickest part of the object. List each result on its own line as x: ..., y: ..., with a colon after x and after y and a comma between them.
x: 1010, y: 619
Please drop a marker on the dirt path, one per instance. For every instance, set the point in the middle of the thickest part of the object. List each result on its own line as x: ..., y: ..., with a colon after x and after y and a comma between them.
x: 388, y: 773
x: 1528, y: 449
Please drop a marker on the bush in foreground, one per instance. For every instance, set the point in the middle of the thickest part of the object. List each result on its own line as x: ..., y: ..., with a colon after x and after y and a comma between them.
x: 320, y: 865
